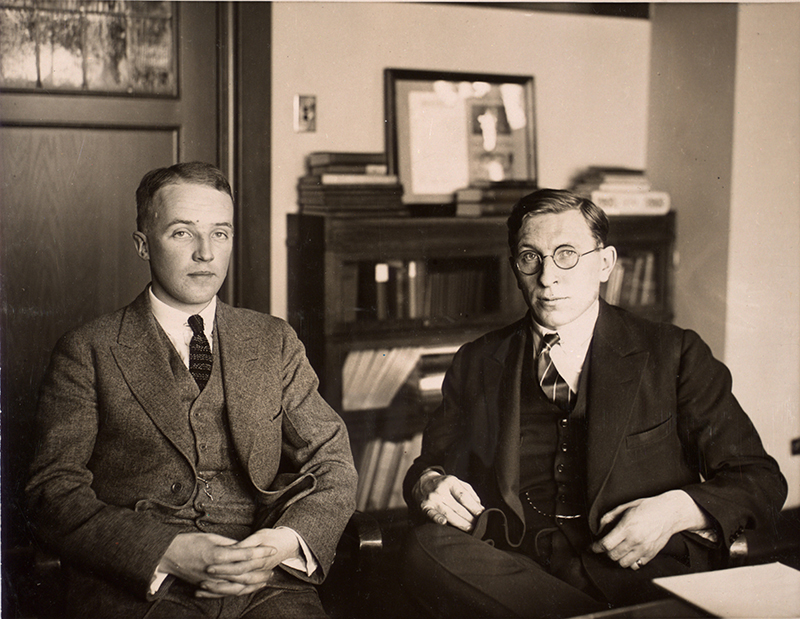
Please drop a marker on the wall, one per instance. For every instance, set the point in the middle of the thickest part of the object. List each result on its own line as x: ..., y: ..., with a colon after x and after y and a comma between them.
x: 723, y: 140
x: 590, y: 78
x: 762, y: 330
x: 689, y: 152
x: 704, y: 95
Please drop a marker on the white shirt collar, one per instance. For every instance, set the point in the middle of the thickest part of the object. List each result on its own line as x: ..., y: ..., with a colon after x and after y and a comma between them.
x: 175, y: 323
x: 574, y: 339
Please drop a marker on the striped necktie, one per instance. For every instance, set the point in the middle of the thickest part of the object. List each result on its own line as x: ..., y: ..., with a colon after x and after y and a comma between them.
x: 200, y: 358
x: 554, y: 386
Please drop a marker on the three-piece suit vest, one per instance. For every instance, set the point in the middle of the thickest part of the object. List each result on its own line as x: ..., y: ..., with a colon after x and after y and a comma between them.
x: 222, y: 500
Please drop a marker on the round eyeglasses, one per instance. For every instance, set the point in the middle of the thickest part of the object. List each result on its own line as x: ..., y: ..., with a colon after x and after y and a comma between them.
x: 565, y: 257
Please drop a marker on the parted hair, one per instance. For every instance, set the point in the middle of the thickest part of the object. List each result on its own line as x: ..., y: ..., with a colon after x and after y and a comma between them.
x: 557, y: 201
x: 192, y: 172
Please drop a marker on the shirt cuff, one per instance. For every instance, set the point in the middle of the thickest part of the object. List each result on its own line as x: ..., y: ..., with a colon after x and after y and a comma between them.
x: 158, y: 579
x: 305, y: 563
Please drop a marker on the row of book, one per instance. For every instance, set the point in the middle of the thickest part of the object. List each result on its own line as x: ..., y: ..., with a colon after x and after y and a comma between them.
x: 381, y: 472
x: 633, y: 281
x: 497, y: 198
x: 354, y: 184
x: 372, y: 377
x: 622, y: 191
x: 412, y: 289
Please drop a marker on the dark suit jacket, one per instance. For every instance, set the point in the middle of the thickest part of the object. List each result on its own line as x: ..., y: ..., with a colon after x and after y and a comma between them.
x: 112, y: 457
x: 660, y: 416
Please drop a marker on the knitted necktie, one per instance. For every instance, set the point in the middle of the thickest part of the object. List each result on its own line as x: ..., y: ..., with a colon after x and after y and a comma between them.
x: 554, y: 386
x: 200, y: 359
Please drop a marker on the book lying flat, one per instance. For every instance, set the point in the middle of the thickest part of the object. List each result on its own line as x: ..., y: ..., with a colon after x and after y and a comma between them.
x: 348, y: 179
x: 341, y: 158
x: 769, y: 590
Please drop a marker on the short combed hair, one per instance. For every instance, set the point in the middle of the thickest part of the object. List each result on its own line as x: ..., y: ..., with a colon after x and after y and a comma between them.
x: 557, y: 201
x: 191, y: 173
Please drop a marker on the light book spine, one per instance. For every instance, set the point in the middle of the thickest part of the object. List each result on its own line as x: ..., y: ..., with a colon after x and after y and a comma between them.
x: 632, y: 202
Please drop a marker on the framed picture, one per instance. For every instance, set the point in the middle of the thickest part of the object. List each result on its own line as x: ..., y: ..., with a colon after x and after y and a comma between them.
x: 88, y: 47
x: 446, y: 131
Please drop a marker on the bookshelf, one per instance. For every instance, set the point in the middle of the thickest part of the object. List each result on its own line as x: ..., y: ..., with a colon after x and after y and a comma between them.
x: 642, y: 280
x: 382, y: 303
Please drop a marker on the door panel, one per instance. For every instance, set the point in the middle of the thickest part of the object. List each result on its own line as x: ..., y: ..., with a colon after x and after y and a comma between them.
x: 70, y: 168
x: 69, y: 255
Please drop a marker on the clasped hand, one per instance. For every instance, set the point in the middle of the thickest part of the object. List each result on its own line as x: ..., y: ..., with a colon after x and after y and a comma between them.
x: 641, y: 528
x: 448, y: 500
x: 221, y: 566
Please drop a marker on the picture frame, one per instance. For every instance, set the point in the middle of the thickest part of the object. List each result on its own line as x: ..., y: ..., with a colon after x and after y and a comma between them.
x: 94, y: 48
x: 448, y: 130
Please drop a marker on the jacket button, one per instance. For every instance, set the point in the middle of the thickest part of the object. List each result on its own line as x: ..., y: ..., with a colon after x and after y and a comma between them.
x: 560, y: 468
x: 176, y: 487
x: 564, y: 422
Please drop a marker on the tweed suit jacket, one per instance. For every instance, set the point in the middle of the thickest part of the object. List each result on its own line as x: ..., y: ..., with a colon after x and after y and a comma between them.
x: 660, y: 415
x: 112, y: 459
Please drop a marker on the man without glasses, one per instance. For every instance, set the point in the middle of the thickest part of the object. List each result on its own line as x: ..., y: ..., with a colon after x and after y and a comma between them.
x: 186, y: 464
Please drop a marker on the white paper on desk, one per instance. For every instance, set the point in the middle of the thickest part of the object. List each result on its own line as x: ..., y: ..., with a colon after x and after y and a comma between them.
x: 753, y: 591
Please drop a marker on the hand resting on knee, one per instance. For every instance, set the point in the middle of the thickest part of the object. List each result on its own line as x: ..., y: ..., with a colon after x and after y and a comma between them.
x: 445, y: 499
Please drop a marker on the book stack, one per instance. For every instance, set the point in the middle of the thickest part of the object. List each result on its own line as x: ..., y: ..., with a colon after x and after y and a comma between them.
x: 491, y: 198
x: 381, y: 471
x: 622, y: 191
x: 356, y: 184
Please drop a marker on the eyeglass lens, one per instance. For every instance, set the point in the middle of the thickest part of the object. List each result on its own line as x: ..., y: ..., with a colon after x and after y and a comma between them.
x: 565, y: 257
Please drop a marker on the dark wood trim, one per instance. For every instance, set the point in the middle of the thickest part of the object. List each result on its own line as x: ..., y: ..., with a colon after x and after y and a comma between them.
x: 226, y: 138
x: 252, y: 154
x: 637, y: 10
x: 112, y: 126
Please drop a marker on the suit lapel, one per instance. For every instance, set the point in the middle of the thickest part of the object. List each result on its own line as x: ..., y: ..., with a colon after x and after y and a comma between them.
x: 140, y: 355
x: 244, y: 381
x: 503, y: 378
x: 616, y: 367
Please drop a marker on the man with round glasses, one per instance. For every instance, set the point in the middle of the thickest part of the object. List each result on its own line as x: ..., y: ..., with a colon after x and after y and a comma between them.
x: 581, y: 451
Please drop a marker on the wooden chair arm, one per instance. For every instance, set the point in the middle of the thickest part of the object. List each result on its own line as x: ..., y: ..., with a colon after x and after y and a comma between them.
x: 346, y: 591
x: 362, y: 540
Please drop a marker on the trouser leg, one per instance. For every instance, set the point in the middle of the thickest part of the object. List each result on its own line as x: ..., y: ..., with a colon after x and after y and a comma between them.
x: 455, y: 575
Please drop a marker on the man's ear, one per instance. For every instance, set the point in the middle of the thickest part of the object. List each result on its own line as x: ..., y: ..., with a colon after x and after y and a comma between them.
x: 608, y: 256
x: 140, y: 240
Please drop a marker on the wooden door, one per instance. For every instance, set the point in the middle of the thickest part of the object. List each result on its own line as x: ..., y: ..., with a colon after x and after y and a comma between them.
x: 70, y: 165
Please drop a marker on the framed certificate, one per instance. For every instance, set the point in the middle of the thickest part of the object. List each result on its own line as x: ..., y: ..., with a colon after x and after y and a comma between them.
x: 449, y: 130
